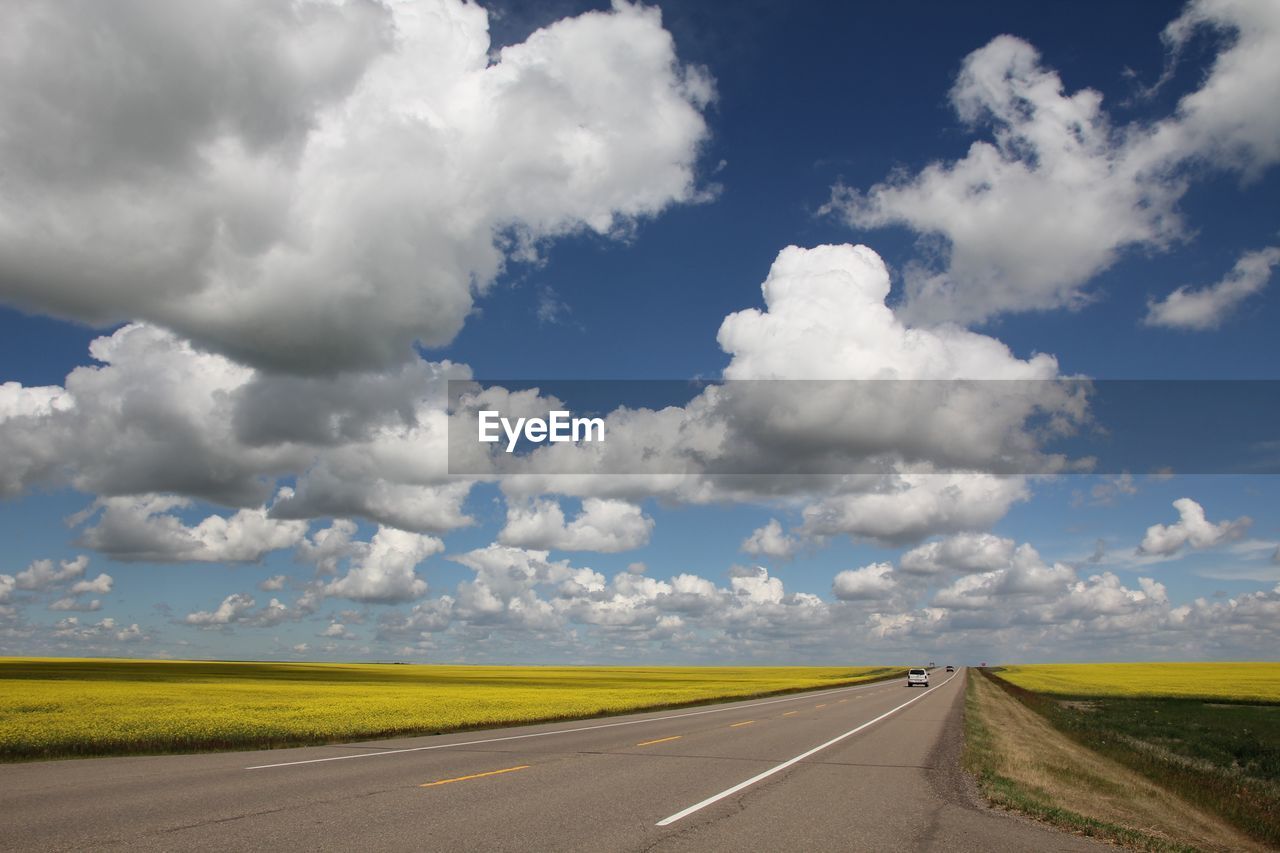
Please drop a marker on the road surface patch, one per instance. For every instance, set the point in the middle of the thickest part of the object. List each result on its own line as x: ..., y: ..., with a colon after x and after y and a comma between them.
x: 386, y: 751
x: 474, y: 776
x: 729, y: 792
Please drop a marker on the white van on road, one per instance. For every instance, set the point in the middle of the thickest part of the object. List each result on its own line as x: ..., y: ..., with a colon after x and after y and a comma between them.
x: 917, y: 676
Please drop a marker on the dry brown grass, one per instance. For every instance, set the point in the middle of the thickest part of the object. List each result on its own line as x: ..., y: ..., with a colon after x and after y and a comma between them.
x: 1049, y: 770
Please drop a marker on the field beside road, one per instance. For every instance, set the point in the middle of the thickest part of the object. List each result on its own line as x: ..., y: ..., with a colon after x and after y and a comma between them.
x: 1209, y: 733
x: 57, y: 707
x: 1226, y: 682
x: 1022, y: 762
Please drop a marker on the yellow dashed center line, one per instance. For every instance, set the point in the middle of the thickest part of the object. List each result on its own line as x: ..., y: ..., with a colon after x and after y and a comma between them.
x: 743, y: 723
x: 844, y: 700
x: 474, y: 776
x: 659, y: 740
x: 789, y: 713
x: 823, y: 705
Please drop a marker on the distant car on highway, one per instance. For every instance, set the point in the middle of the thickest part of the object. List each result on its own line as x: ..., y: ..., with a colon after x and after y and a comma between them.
x: 917, y: 676
x: 950, y: 668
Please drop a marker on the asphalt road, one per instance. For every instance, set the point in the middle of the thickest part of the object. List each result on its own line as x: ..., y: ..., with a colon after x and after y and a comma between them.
x: 873, y: 767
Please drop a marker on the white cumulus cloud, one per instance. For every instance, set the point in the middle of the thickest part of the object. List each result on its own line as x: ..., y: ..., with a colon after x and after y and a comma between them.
x: 143, y: 528
x: 961, y: 553
x: 770, y: 541
x: 159, y: 420
x: 100, y: 585
x: 1207, y: 307
x: 42, y: 574
x: 315, y: 186
x: 385, y: 570
x: 1192, y: 529
x: 873, y: 581
x: 1058, y: 192
x: 232, y: 609
x: 603, y: 525
x: 71, y: 603
x: 829, y: 404
x: 912, y: 506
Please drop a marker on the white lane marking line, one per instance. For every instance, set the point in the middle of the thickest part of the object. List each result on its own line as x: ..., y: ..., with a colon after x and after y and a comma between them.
x: 796, y: 698
x: 729, y: 792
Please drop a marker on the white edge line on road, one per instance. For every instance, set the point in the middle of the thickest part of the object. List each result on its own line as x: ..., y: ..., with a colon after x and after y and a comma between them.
x: 729, y: 792
x: 735, y: 707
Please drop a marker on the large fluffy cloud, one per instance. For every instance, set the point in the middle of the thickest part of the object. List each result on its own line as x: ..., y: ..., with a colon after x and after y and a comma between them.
x: 505, y: 589
x: 770, y: 541
x: 518, y: 592
x: 1221, y: 120
x: 238, y: 609
x: 963, y: 552
x: 1091, y: 617
x: 101, y: 585
x: 603, y: 525
x: 1192, y: 529
x: 233, y: 608
x: 911, y: 506
x: 1020, y: 606
x: 831, y: 395
x: 1008, y: 598
x: 315, y: 186
x: 383, y: 571
x: 42, y: 575
x: 144, y: 528
x: 44, y: 578
x: 1024, y: 574
x: 873, y: 581
x: 1029, y: 217
x: 159, y: 416
x: 154, y: 417
x: 826, y: 317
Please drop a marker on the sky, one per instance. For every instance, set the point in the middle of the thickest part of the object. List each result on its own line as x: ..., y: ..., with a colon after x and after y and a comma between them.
x: 247, y: 251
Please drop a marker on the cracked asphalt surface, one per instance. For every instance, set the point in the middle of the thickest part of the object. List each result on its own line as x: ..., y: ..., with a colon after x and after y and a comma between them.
x: 587, y: 785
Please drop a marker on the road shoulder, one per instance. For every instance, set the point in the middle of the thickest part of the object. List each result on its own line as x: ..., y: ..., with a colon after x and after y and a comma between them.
x: 1022, y: 763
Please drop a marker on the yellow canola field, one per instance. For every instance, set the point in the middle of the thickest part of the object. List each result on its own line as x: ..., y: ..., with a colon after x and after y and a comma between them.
x: 1239, y: 682
x: 58, y: 707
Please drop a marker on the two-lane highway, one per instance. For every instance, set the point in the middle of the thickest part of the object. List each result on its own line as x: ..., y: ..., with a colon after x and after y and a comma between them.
x: 868, y: 767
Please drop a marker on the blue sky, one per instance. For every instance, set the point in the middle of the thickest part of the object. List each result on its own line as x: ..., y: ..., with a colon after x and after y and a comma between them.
x: 279, y: 275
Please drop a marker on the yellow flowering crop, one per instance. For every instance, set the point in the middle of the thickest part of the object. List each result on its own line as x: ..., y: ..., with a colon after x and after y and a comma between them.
x: 58, y: 707
x: 1241, y: 682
